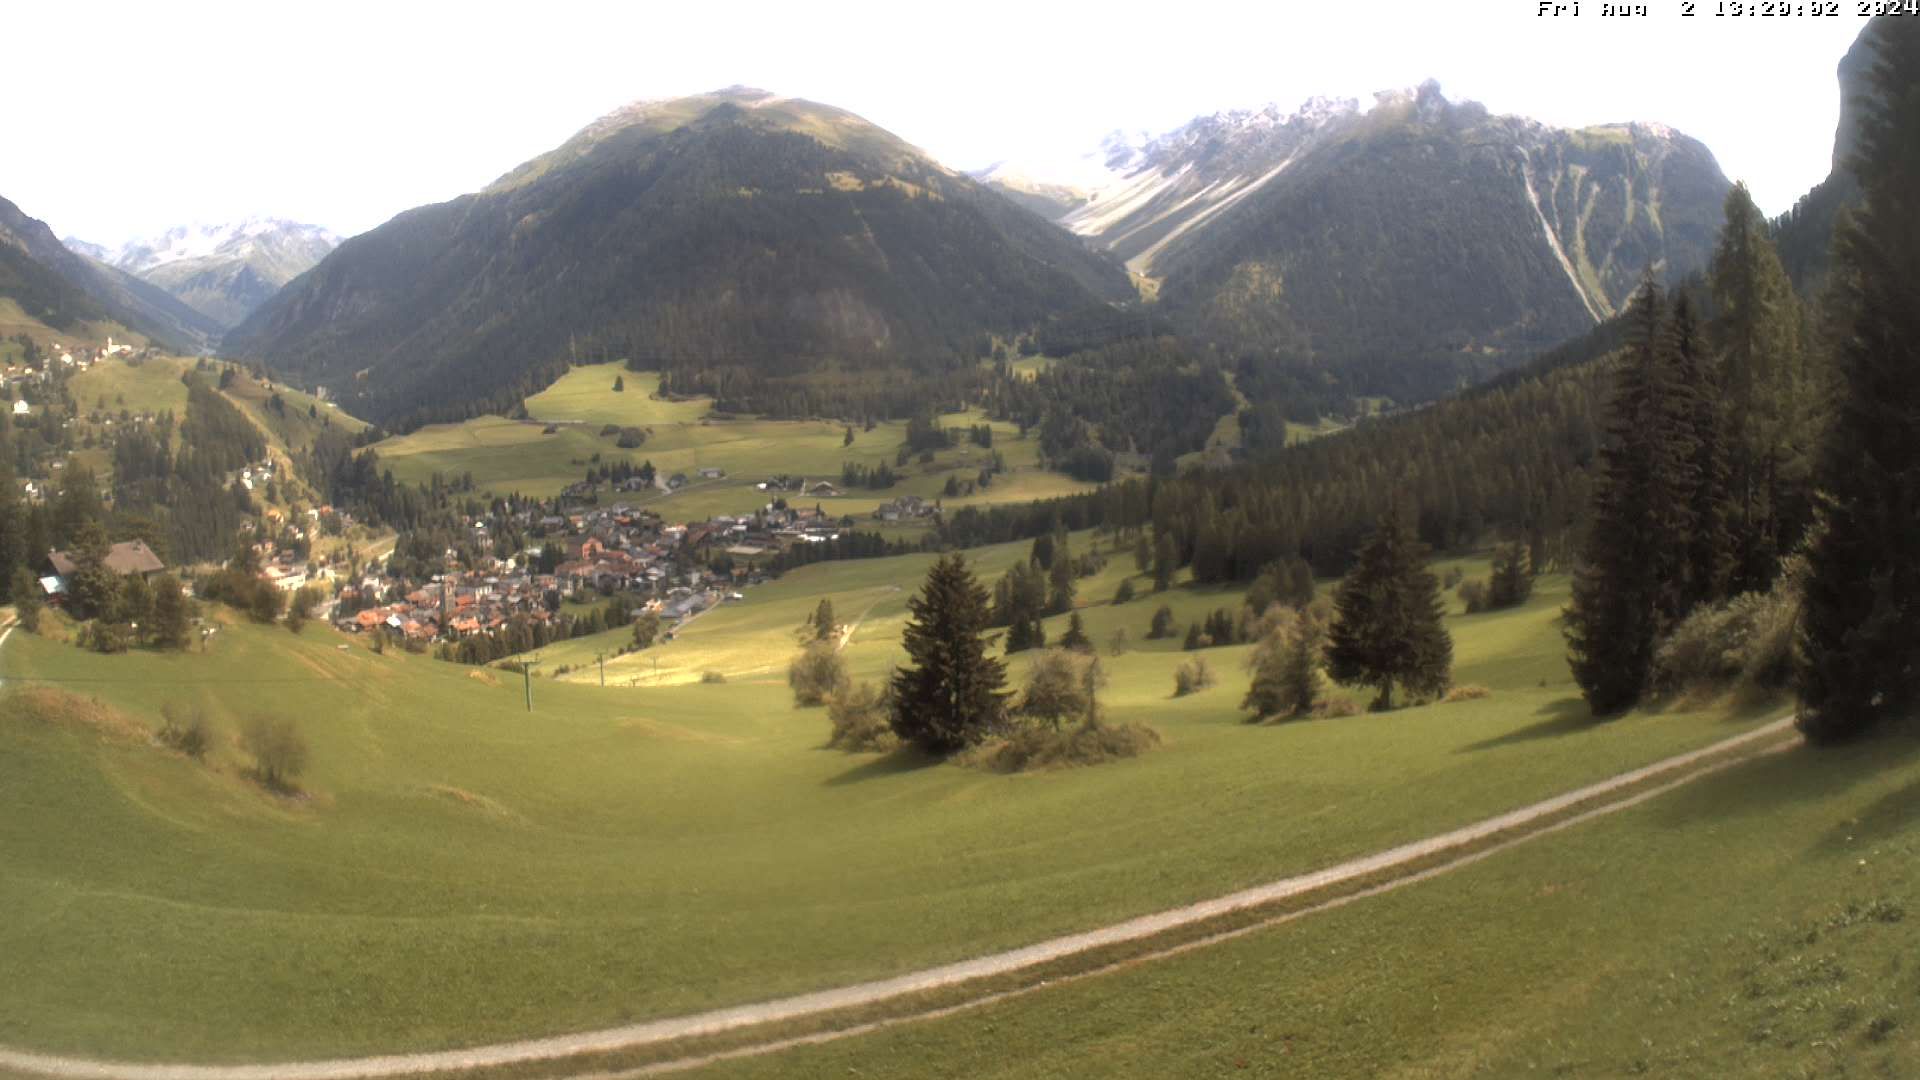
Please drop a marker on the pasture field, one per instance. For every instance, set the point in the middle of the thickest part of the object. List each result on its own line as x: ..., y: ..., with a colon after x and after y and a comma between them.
x: 152, y: 386
x: 585, y: 395
x: 520, y: 456
x: 1758, y: 922
x: 293, y: 425
x: 462, y: 870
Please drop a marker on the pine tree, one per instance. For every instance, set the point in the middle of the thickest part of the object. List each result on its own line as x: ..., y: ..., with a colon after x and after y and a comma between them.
x: 951, y: 696
x: 619, y: 384
x: 1142, y: 553
x: 1076, y: 636
x: 26, y: 599
x: 1195, y: 639
x: 1162, y: 623
x: 1511, y: 580
x: 1861, y: 617
x: 1756, y: 332
x: 1060, y: 580
x: 1166, y: 559
x: 823, y: 620
x: 1631, y: 581
x: 1300, y: 672
x: 1388, y: 629
x: 1710, y: 544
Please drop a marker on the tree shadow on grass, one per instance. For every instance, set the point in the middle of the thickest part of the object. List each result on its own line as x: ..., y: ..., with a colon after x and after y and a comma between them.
x: 892, y: 763
x: 1563, y: 717
x: 1808, y: 774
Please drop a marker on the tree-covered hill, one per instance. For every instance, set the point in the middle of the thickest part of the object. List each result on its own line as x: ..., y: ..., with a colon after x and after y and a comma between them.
x: 728, y: 229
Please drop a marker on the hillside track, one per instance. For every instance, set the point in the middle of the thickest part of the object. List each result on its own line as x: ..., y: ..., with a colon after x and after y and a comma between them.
x: 1154, y: 937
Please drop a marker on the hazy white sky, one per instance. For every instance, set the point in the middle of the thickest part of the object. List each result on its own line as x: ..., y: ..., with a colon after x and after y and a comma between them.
x: 123, y: 119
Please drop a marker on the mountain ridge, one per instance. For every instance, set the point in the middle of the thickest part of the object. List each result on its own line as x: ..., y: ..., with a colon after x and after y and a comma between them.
x: 730, y: 228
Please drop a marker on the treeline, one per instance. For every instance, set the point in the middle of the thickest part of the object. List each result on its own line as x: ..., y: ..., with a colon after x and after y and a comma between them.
x: 1507, y: 459
x: 1154, y: 397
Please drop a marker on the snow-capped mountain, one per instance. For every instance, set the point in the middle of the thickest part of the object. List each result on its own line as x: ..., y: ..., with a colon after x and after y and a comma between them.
x: 1310, y: 231
x: 223, y: 271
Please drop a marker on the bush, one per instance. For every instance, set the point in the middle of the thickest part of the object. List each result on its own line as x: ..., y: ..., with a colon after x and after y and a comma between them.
x: 1124, y: 593
x: 279, y: 752
x: 1748, y: 640
x: 1340, y: 705
x: 1469, y: 692
x: 712, y: 677
x: 1062, y: 685
x: 817, y: 674
x: 1475, y: 595
x: 860, y: 719
x: 185, y: 730
x: 104, y: 637
x: 1038, y: 747
x: 1453, y: 577
x: 1192, y: 677
x: 1162, y: 625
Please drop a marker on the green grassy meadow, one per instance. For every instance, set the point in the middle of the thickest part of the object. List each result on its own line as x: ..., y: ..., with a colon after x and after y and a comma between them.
x: 153, y: 386
x: 1756, y: 923
x: 462, y: 870
x: 519, y: 456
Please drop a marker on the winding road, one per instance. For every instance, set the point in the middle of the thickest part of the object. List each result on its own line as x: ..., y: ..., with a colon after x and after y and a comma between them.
x: 1468, y: 844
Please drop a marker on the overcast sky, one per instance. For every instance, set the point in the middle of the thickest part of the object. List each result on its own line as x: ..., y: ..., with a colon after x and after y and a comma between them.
x: 123, y: 119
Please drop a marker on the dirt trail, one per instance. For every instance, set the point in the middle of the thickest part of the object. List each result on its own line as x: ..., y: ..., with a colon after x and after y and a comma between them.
x: 802, y: 1006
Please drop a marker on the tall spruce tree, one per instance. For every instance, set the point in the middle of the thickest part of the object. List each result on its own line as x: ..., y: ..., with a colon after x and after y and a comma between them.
x: 1858, y: 665
x: 1631, y: 581
x: 1710, y: 544
x: 950, y: 697
x: 1756, y: 331
x: 1388, y: 630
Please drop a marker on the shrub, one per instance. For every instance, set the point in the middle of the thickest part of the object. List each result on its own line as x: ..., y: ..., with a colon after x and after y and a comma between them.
x: 1124, y: 593
x: 712, y: 677
x: 861, y: 720
x: 1062, y: 685
x: 1747, y: 640
x: 1340, y: 705
x: 1475, y: 595
x: 1469, y: 692
x: 816, y: 674
x: 1192, y: 677
x: 279, y: 752
x: 185, y: 730
x: 1453, y: 577
x: 1162, y: 625
x: 104, y: 637
x: 1036, y: 747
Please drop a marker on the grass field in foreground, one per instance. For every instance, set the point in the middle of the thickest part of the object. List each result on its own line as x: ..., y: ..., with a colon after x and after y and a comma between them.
x: 507, y: 455
x: 1761, y: 922
x: 464, y: 871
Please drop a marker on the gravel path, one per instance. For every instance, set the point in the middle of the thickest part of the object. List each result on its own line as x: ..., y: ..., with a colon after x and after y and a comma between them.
x: 869, y: 993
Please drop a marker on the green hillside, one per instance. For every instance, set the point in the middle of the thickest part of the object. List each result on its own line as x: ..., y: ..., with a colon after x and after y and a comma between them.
x: 461, y: 869
x: 728, y: 229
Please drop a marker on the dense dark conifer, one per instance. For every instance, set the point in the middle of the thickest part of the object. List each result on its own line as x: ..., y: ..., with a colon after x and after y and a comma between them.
x: 950, y: 697
x: 1756, y: 332
x: 1631, y: 581
x: 1388, y: 629
x: 1858, y: 659
x: 1710, y: 544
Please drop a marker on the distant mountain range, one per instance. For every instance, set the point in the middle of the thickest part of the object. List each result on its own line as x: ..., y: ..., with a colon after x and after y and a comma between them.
x: 221, y: 271
x: 1418, y: 227
x: 58, y: 288
x: 732, y: 229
